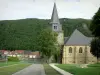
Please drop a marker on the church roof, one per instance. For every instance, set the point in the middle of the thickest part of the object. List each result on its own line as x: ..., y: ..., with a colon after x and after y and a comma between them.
x: 55, y: 18
x: 65, y: 39
x: 77, y: 38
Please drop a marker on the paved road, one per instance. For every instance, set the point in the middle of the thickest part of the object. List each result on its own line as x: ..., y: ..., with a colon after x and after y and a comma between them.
x: 35, y: 69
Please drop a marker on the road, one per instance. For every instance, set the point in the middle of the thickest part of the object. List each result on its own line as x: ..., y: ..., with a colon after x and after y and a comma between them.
x: 34, y: 69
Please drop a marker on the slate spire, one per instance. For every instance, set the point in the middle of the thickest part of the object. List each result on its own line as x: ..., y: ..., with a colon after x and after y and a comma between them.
x: 56, y: 26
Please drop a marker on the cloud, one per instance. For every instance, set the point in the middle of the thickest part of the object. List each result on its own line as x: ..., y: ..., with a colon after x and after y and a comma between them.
x: 19, y: 9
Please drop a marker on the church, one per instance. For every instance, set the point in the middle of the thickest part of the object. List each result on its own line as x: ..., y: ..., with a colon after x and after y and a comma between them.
x: 76, y: 48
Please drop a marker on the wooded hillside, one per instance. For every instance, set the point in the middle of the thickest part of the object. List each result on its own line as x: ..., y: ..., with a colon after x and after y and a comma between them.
x: 22, y: 34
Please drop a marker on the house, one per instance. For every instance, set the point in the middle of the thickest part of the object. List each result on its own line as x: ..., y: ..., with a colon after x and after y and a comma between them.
x: 21, y: 54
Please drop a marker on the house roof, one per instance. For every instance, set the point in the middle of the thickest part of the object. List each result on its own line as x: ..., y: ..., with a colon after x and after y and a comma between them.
x: 77, y: 38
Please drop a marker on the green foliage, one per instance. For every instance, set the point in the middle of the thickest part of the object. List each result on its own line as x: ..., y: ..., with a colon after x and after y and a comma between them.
x: 3, y: 27
x: 13, y: 59
x: 46, y: 42
x: 95, y: 47
x: 57, y: 55
x: 95, y: 28
x: 69, y: 25
x: 22, y: 34
x: 95, y: 24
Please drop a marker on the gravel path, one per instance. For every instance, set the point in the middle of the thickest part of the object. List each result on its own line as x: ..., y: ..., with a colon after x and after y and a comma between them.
x: 35, y: 69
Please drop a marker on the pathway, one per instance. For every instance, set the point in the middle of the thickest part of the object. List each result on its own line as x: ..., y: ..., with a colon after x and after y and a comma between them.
x: 35, y: 69
x: 60, y: 70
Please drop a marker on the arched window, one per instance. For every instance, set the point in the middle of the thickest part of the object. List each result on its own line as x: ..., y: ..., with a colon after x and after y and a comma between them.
x: 80, y: 50
x: 70, y: 49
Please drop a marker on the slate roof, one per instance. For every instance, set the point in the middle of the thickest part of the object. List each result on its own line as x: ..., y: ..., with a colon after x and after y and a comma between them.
x: 55, y: 18
x: 77, y: 38
x: 65, y: 39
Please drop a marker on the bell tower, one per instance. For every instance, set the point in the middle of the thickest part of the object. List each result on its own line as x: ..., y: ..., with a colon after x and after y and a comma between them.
x: 56, y: 26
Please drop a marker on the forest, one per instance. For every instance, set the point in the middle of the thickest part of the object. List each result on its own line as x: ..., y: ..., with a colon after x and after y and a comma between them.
x: 22, y: 34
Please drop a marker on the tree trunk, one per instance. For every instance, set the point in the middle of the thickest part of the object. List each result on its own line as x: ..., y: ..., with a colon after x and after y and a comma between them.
x: 61, y: 53
x: 97, y: 56
x: 97, y: 59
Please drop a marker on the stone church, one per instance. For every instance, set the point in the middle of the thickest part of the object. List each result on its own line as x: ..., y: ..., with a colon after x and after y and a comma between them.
x: 76, y: 48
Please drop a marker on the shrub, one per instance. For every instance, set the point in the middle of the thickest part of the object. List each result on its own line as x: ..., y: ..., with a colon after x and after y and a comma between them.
x: 14, y: 59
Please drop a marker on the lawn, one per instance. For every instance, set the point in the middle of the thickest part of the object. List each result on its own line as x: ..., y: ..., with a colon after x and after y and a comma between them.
x: 49, y: 70
x: 8, y: 63
x: 9, y: 70
x: 93, y: 69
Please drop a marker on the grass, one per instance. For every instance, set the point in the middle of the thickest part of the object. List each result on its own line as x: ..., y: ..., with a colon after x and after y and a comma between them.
x: 9, y: 70
x: 94, y: 65
x: 93, y: 69
x: 8, y: 63
x: 49, y: 70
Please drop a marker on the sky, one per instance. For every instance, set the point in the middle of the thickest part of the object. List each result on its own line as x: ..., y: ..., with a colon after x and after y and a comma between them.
x: 21, y: 9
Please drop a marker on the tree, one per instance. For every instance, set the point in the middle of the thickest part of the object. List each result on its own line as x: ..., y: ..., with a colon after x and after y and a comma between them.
x: 95, y: 29
x: 95, y: 47
x: 47, y: 43
x: 57, y: 55
x: 95, y: 24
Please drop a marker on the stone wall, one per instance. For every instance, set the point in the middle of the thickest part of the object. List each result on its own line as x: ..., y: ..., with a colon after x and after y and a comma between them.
x: 60, y: 38
x: 78, y: 55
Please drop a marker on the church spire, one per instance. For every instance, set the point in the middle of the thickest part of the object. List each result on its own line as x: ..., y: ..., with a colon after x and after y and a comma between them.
x: 56, y: 26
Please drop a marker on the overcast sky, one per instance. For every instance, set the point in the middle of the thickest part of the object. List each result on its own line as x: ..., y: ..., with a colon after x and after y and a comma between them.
x: 20, y: 9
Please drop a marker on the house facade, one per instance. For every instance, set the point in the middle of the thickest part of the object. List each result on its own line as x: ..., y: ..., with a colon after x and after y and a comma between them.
x: 21, y: 54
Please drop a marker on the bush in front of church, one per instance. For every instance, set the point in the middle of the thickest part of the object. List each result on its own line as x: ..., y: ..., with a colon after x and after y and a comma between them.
x: 13, y: 59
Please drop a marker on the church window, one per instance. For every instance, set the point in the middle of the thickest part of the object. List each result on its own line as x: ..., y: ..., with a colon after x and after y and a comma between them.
x: 80, y: 50
x: 55, y: 27
x: 70, y: 49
